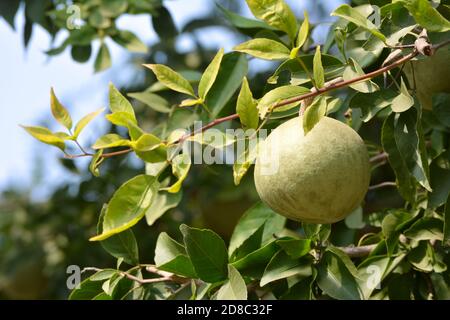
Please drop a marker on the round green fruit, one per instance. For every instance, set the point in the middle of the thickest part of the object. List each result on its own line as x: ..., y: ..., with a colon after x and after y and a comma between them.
x: 320, y: 177
x: 430, y: 75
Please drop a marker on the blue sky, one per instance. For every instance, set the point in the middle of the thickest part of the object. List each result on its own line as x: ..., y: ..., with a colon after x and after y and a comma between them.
x: 28, y: 75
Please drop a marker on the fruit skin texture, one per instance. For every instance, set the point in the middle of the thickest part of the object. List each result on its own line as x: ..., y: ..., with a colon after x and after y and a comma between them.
x: 431, y: 75
x: 320, y: 178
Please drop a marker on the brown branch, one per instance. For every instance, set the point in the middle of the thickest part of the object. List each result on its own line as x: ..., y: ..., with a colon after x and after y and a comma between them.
x: 358, y: 252
x: 165, y: 276
x: 428, y: 50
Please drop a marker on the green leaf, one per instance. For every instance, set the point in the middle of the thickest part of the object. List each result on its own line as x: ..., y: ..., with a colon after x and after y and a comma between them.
x: 446, y: 240
x: 210, y: 75
x: 354, y: 70
x: 130, y: 41
x: 244, y: 161
x: 103, y: 274
x: 171, y: 256
x: 283, y: 266
x: 254, y: 263
x: 303, y: 32
x: 264, y: 49
x: 372, y: 103
x: 85, y: 121
x: 427, y: 16
x: 46, y: 136
x: 8, y: 11
x: 243, y: 22
x: 403, y: 101
x: 277, y: 14
x: 426, y: 229
x: 123, y: 246
x: 59, y: 112
x: 314, y: 113
x: 152, y: 100
x: 87, y: 290
x: 118, y: 103
x: 233, y: 68
x: 336, y: 280
x: 319, y: 73
x: 81, y: 54
x: 295, y: 248
x: 411, y: 145
x: 207, y: 252
x: 96, y: 161
x: 162, y: 203
x: 271, y: 98
x: 333, y: 68
x: 246, y: 107
x: 253, y: 219
x: 234, y: 288
x: 121, y: 118
x: 111, y: 140
x: 440, y: 180
x: 351, y: 14
x: 163, y: 23
x: 171, y: 79
x: 302, y: 290
x: 405, y: 182
x: 103, y: 59
x: 180, y: 168
x: 128, y: 205
x: 146, y: 142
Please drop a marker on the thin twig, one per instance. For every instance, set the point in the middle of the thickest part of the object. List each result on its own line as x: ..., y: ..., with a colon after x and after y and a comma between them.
x: 105, y: 155
x: 379, y: 157
x: 382, y: 185
x: 358, y: 252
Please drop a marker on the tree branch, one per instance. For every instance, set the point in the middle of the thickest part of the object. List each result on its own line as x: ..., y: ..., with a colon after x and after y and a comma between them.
x: 382, y: 185
x: 358, y: 252
x: 425, y: 48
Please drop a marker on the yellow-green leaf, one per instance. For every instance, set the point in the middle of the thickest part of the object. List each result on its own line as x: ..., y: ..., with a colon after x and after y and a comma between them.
x: 354, y: 70
x: 351, y: 14
x: 316, y: 111
x: 46, y: 136
x: 118, y: 103
x: 96, y: 161
x: 120, y: 118
x: 180, y: 168
x: 85, y: 121
x: 319, y: 73
x: 59, y: 112
x: 171, y: 79
x: 147, y: 142
x: 276, y: 95
x: 403, y: 101
x: 246, y: 107
x: 210, y: 75
x: 303, y: 33
x: 128, y: 205
x: 264, y: 49
x: 277, y: 14
x: 103, y: 59
x: 190, y: 102
x: 111, y: 140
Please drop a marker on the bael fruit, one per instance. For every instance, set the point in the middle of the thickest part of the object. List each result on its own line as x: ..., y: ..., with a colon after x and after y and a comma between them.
x: 320, y: 177
x: 431, y: 75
